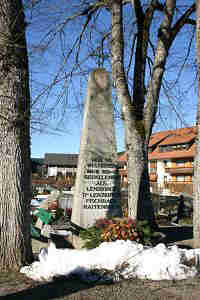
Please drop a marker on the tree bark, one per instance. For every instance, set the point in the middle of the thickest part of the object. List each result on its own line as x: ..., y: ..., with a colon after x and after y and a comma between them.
x: 196, y: 202
x: 15, y: 168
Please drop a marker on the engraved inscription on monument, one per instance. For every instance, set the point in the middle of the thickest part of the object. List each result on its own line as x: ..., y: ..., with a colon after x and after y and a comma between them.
x: 102, y: 190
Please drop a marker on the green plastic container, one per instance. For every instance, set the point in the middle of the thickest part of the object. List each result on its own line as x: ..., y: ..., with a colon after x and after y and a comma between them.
x: 44, y: 215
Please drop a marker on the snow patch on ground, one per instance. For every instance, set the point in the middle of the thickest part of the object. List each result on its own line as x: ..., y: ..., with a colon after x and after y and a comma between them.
x: 126, y: 258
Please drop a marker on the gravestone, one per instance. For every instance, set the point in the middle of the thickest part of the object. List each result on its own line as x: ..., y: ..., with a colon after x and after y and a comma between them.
x: 97, y: 188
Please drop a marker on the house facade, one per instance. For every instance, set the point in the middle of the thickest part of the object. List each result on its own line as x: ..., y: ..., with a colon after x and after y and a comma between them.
x: 171, y: 156
x: 61, y: 165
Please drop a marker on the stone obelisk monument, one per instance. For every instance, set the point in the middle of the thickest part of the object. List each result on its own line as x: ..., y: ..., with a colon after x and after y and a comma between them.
x: 97, y: 189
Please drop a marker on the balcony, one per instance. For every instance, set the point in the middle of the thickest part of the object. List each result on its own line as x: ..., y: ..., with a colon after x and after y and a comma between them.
x: 180, y: 170
x: 172, y: 188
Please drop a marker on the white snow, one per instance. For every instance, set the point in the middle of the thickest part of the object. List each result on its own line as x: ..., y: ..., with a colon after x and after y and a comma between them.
x: 127, y: 259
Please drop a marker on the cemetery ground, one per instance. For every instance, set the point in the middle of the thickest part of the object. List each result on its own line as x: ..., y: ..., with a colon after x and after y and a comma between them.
x: 17, y: 286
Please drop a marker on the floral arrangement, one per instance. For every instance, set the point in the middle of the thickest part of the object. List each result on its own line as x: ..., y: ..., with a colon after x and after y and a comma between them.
x: 108, y: 230
x: 120, y: 229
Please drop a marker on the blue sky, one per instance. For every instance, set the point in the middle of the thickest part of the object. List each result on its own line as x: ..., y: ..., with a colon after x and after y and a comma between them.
x: 71, y: 92
x: 68, y: 142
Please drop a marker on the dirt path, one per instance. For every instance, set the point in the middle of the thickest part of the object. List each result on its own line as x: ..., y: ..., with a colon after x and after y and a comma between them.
x: 125, y: 290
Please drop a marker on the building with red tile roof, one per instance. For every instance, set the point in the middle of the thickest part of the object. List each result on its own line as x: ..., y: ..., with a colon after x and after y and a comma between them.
x: 171, y: 156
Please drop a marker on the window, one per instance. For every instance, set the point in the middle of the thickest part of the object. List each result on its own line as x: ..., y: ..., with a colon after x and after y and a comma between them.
x: 174, y: 147
x: 180, y: 178
x: 188, y: 178
x: 180, y: 163
x: 184, y: 178
x: 167, y: 163
x: 153, y: 166
x: 182, y: 146
x: 164, y: 148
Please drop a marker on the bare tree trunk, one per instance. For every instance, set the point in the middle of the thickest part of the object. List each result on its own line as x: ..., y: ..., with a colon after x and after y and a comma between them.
x: 138, y: 184
x: 196, y: 202
x: 138, y: 178
x: 15, y: 168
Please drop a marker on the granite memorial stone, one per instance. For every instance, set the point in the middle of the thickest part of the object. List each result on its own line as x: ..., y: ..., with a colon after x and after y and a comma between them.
x: 97, y: 188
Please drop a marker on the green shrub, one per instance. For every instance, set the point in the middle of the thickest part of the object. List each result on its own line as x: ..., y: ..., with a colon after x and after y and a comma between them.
x: 108, y: 230
x: 92, y: 237
x: 147, y: 236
